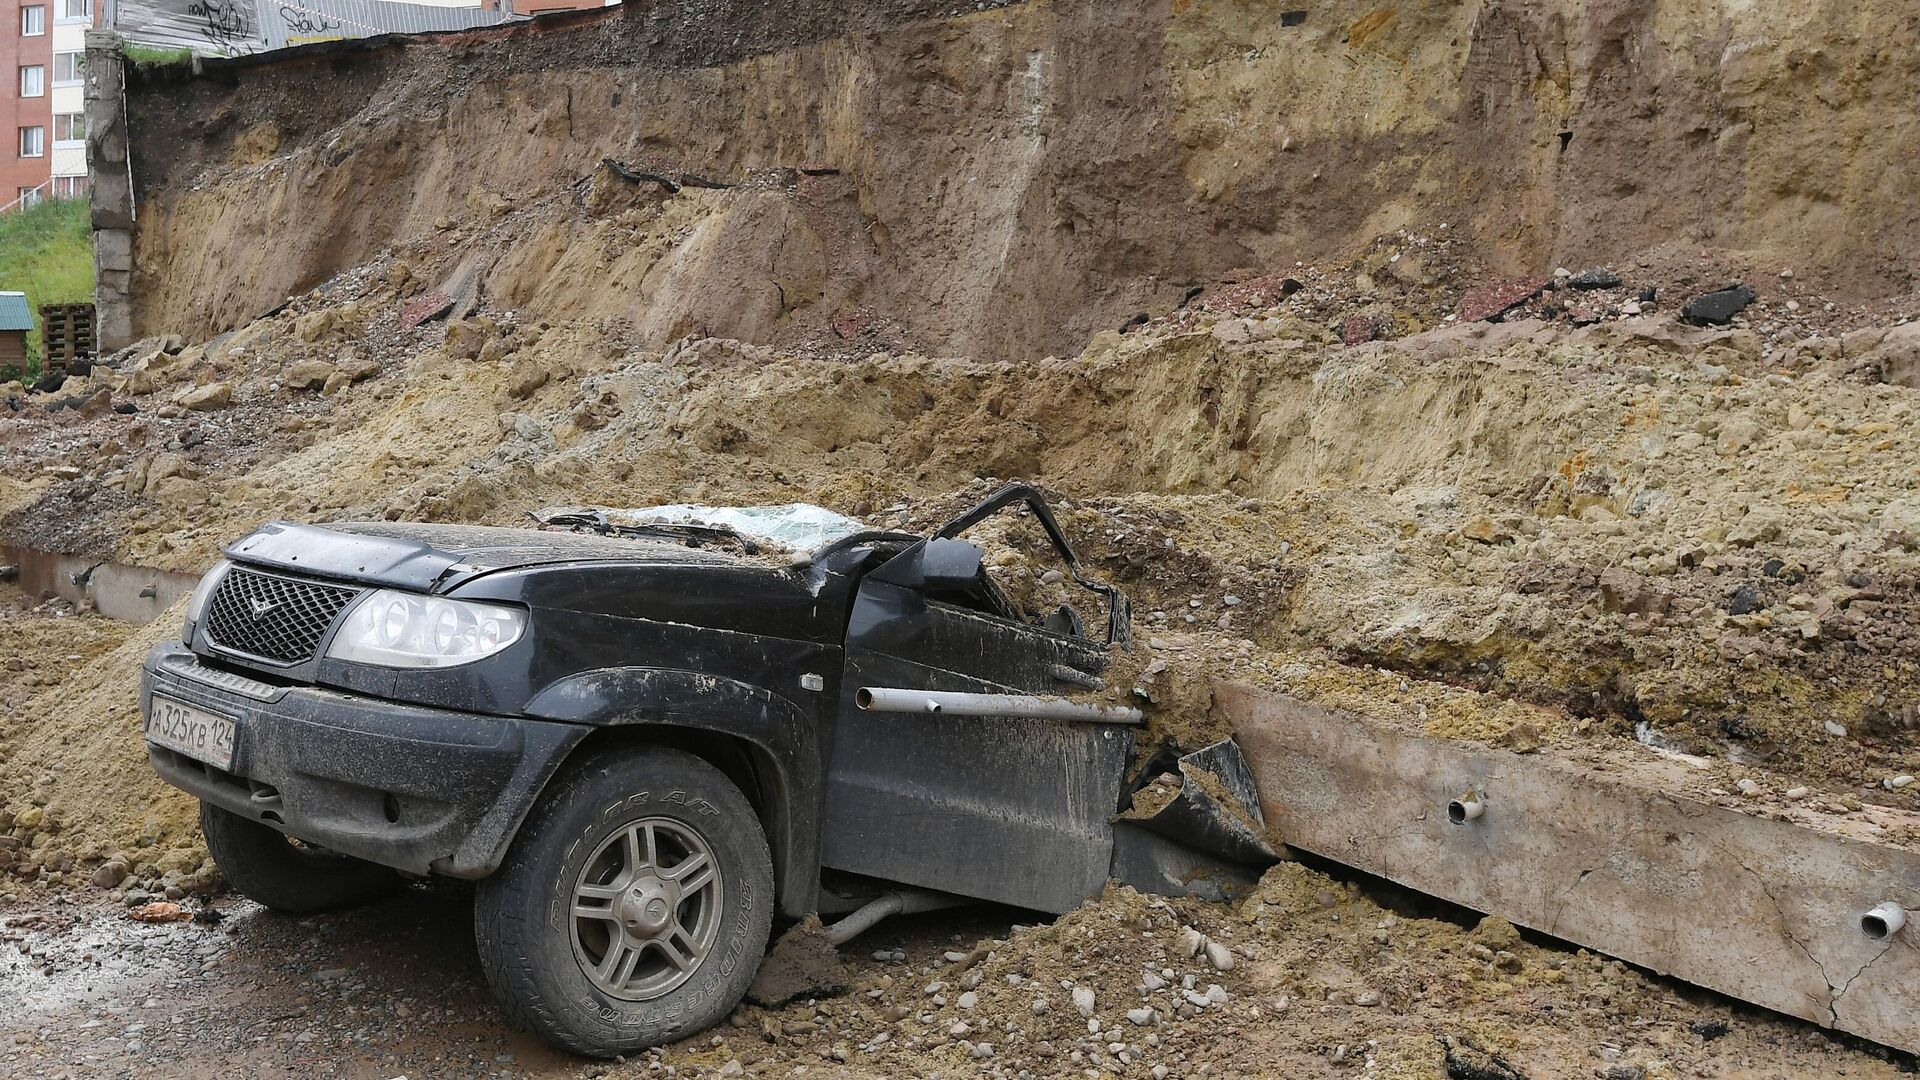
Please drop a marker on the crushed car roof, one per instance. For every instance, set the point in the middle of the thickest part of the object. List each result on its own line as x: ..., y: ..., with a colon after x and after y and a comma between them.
x: 799, y: 528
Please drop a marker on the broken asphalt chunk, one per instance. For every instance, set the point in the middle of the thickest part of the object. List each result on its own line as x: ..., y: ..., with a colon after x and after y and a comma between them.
x: 1360, y: 329
x: 1490, y: 302
x: 1718, y: 307
x: 421, y: 308
x: 1597, y: 278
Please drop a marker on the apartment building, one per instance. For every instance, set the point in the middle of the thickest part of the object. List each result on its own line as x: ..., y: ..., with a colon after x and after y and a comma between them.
x: 42, y: 54
x: 66, y: 86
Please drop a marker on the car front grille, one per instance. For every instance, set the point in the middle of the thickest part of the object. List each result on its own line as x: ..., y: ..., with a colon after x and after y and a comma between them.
x: 271, y: 617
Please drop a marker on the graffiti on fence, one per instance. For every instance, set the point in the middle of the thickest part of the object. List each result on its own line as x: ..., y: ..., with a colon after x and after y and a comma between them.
x: 227, y: 25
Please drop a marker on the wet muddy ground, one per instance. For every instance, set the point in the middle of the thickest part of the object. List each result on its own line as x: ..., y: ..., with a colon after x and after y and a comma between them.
x: 389, y: 990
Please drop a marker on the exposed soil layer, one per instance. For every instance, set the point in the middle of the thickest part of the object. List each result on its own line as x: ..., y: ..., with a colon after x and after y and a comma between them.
x: 1010, y: 181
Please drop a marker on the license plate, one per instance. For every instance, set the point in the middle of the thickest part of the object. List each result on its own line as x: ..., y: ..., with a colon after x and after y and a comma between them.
x: 196, y: 733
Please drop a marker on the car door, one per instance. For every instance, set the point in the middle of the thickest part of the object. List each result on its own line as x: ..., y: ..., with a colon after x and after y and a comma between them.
x: 1003, y: 808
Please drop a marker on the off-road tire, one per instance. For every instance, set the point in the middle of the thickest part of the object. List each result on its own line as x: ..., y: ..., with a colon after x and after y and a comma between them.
x: 264, y: 866
x: 522, y: 913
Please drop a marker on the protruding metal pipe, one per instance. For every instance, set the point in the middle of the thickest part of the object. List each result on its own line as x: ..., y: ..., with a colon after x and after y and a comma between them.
x: 904, y: 902
x: 1461, y: 811
x: 1883, y: 921
x: 894, y: 699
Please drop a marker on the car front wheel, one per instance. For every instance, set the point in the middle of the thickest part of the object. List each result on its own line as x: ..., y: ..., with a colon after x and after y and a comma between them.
x: 633, y: 908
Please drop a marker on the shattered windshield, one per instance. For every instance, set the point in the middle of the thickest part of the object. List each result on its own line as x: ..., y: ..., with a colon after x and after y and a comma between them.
x: 801, y: 528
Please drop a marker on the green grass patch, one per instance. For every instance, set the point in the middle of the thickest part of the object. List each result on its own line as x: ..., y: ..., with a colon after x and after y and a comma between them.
x: 46, y: 251
x: 146, y: 56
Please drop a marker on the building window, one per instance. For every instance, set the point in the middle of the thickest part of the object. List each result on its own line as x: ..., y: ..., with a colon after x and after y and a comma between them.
x: 69, y: 187
x: 33, y: 80
x: 33, y: 141
x: 69, y: 68
x: 76, y: 11
x: 33, y: 20
x: 69, y: 127
x: 29, y: 196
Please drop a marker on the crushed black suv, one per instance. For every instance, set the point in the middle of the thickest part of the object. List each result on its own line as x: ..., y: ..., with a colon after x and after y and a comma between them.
x: 648, y: 735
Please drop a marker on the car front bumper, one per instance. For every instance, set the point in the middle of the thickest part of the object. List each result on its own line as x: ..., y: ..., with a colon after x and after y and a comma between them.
x: 418, y: 789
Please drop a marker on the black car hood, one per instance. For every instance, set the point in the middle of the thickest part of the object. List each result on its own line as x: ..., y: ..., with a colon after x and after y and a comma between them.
x: 423, y: 558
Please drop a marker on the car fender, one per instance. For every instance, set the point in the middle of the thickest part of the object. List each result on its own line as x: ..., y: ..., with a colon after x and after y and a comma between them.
x: 781, y: 732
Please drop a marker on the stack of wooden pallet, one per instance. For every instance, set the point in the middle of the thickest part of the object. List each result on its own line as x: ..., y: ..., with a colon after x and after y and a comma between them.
x: 66, y: 335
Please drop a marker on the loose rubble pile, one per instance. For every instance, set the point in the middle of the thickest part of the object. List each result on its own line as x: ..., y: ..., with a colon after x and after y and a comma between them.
x: 82, y: 809
x: 1305, y: 977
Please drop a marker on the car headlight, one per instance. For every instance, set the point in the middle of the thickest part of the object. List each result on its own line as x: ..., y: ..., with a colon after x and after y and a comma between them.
x: 407, y: 630
x: 197, y: 603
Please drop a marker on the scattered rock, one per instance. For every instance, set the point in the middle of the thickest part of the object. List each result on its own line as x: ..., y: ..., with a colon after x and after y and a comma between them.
x: 180, y: 493
x: 1522, y: 738
x: 466, y: 338
x: 525, y: 378
x: 1219, y: 956
x: 216, y: 395
x: 314, y: 325
x: 110, y: 874
x: 357, y: 366
x: 1484, y: 530
x: 308, y: 374
x: 1629, y: 593
x: 495, y: 350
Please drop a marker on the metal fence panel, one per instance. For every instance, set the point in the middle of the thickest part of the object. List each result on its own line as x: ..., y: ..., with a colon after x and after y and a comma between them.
x: 241, y: 27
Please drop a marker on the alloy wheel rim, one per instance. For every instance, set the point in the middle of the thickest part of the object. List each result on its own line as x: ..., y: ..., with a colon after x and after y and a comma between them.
x: 645, y: 909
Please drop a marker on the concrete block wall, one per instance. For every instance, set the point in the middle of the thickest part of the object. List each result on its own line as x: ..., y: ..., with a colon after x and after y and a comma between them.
x: 109, y: 192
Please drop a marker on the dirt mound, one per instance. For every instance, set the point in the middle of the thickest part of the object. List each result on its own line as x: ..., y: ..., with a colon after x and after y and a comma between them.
x: 76, y: 792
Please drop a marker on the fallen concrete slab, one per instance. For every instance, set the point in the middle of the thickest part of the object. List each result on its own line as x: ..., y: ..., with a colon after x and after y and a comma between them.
x: 1767, y: 911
